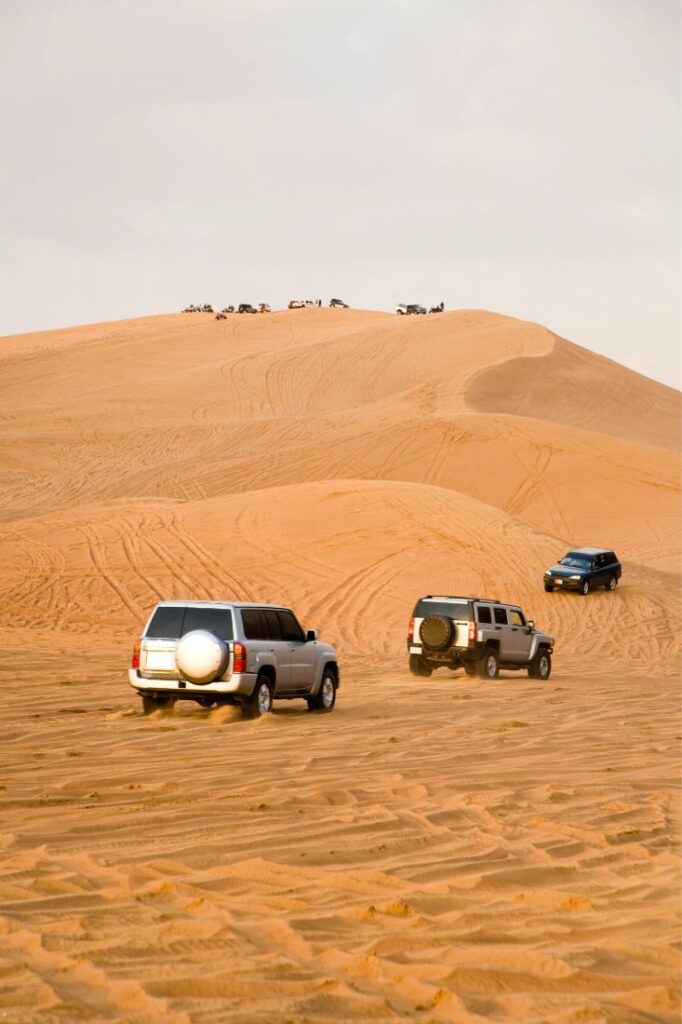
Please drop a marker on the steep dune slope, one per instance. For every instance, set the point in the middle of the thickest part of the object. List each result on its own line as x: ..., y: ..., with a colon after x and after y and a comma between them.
x: 571, y: 385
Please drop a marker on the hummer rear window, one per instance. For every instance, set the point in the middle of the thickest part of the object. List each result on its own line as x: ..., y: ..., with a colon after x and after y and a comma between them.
x: 452, y: 610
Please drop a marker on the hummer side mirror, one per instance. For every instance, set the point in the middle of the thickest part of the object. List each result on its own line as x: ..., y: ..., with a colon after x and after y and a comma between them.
x: 311, y: 635
x: 530, y: 625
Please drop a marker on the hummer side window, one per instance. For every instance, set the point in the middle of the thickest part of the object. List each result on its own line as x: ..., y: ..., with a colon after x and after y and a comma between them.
x: 500, y: 616
x: 517, y: 618
x: 484, y: 615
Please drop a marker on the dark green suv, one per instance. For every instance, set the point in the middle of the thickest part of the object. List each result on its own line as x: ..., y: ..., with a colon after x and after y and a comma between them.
x: 584, y: 569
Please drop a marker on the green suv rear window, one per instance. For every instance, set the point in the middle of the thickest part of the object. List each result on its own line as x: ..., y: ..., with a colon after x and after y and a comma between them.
x: 452, y: 610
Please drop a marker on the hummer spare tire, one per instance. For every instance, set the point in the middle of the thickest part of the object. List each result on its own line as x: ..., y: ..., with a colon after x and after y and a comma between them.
x: 436, y: 632
x: 201, y: 656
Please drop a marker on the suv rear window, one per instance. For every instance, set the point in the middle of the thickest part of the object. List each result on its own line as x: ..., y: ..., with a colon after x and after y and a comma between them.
x: 170, y: 622
x: 484, y: 614
x: 451, y: 609
x: 166, y: 623
x: 216, y: 620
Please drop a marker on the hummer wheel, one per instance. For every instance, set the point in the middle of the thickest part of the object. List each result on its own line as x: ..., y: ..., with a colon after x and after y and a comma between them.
x: 541, y: 665
x: 489, y: 665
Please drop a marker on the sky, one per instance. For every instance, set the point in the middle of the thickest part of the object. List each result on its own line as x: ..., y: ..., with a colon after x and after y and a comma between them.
x: 521, y: 156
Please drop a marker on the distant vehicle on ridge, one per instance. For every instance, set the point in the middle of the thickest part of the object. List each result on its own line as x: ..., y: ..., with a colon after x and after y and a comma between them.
x: 338, y: 303
x: 407, y: 308
x: 246, y: 307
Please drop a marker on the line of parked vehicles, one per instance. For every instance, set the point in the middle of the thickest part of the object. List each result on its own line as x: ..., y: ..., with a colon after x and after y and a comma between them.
x: 415, y: 309
x: 402, y: 309
x: 250, y: 654
x: 262, y: 307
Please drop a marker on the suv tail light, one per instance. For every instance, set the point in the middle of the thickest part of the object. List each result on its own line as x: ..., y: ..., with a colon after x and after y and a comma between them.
x: 239, y: 658
x: 135, y: 662
x: 472, y: 632
x: 410, y: 632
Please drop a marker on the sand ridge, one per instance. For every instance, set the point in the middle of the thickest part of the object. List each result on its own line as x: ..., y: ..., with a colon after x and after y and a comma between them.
x: 444, y: 849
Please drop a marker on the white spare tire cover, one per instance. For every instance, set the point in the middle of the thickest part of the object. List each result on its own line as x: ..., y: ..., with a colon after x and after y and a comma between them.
x: 201, y: 656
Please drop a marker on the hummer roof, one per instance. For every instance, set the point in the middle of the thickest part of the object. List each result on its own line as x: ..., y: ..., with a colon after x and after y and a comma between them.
x: 477, y: 600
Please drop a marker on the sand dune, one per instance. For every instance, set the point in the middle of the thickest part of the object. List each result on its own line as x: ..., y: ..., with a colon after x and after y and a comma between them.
x: 436, y: 850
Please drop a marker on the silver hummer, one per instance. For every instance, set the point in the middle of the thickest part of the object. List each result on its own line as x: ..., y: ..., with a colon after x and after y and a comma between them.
x: 478, y: 635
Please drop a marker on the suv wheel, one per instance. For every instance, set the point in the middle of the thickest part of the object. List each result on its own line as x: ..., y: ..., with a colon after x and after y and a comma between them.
x: 325, y: 698
x: 585, y: 587
x: 541, y: 665
x: 489, y: 665
x: 151, y: 704
x: 419, y: 667
x: 549, y: 588
x: 613, y: 582
x: 469, y: 668
x: 260, y: 702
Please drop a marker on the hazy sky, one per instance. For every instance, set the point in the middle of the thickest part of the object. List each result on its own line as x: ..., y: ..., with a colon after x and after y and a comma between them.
x: 516, y: 155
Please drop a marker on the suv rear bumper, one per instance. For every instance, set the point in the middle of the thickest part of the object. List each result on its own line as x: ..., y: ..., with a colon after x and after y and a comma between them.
x: 239, y: 684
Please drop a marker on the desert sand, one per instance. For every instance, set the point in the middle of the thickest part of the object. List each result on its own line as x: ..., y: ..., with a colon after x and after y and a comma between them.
x: 436, y: 850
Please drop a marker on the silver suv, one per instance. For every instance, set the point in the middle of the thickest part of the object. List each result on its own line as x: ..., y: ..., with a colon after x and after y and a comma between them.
x: 477, y: 635
x: 231, y: 653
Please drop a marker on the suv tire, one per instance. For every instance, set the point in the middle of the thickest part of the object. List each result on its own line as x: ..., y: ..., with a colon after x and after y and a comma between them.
x: 325, y: 698
x: 151, y: 704
x: 436, y: 632
x: 585, y: 588
x: 549, y: 588
x: 260, y: 701
x: 419, y: 667
x: 489, y: 665
x: 612, y: 584
x: 541, y: 665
